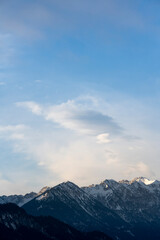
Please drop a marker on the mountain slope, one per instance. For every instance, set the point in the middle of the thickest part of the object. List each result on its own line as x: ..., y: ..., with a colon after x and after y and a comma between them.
x: 137, y: 202
x: 134, y: 201
x: 123, y: 210
x: 68, y: 203
x: 16, y: 224
x: 20, y: 200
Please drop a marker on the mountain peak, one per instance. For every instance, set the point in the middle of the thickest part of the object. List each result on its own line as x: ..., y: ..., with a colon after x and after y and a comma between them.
x: 143, y: 180
x: 109, y: 182
x: 67, y: 184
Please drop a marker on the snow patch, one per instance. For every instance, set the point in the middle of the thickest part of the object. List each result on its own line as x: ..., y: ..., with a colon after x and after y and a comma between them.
x: 145, y: 181
x: 41, y: 197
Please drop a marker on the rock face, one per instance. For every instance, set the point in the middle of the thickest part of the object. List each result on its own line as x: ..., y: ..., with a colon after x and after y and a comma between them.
x: 124, y: 210
x: 71, y: 204
x: 134, y: 201
x: 16, y: 224
x: 20, y: 200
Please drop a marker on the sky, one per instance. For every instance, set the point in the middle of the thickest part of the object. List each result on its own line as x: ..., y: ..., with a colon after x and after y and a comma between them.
x: 79, y: 92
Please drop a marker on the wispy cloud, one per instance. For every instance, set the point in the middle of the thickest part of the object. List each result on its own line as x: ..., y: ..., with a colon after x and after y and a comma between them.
x: 93, y: 139
x: 74, y: 116
x: 103, y: 138
x: 15, y: 185
x: 12, y: 128
x: 14, y: 132
x: 138, y: 169
x: 34, y: 107
x: 77, y: 140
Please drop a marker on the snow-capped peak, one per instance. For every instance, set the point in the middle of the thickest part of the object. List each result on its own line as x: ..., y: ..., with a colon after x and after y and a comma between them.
x: 144, y: 180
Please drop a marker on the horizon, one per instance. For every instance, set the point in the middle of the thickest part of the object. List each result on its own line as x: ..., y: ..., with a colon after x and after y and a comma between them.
x: 79, y: 92
x: 23, y: 193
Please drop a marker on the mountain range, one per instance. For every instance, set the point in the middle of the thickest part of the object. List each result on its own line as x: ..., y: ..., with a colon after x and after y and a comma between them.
x: 20, y: 200
x: 16, y: 224
x: 122, y: 210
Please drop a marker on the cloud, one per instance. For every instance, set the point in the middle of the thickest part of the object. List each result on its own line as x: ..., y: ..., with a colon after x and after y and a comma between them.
x: 79, y: 140
x: 17, y: 136
x: 6, y: 186
x: 9, y: 186
x: 85, y: 140
x: 34, y: 107
x: 12, y: 128
x: 138, y: 169
x: 62, y: 154
x: 13, y: 132
x: 103, y: 138
x: 73, y: 151
x: 74, y: 116
x: 83, y: 121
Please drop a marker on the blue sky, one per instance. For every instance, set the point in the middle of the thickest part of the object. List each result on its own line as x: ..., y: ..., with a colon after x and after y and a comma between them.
x: 79, y: 92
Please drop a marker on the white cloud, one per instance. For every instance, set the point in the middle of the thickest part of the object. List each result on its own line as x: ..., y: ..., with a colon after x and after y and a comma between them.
x: 138, y: 169
x: 78, y: 141
x: 78, y: 149
x: 17, y: 136
x: 14, y: 186
x: 34, y: 107
x: 76, y: 115
x: 13, y: 132
x: 12, y: 128
x: 103, y: 138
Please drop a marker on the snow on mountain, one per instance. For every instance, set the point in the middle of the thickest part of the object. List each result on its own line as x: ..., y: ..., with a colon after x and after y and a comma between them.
x: 20, y: 200
x: 123, y: 209
x: 72, y: 205
x: 17, y: 199
x: 143, y: 180
x: 138, y: 199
